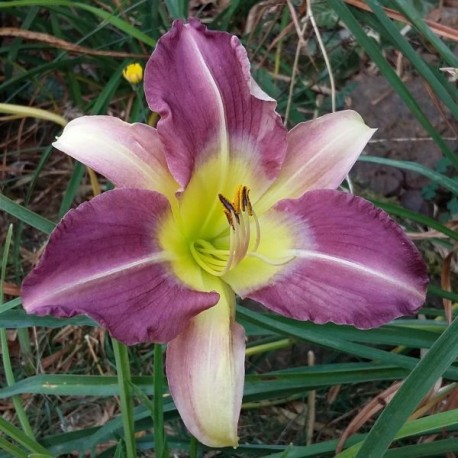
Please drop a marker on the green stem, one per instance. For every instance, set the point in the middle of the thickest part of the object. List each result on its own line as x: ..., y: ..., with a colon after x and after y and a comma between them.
x: 24, y: 111
x: 125, y: 390
x: 158, y: 401
x: 271, y: 346
x: 193, y: 447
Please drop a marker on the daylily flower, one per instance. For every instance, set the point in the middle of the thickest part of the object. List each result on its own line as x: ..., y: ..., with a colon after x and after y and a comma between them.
x: 219, y: 201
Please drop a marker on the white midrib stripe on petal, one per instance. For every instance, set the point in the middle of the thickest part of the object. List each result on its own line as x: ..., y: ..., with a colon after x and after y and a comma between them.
x: 277, y: 191
x: 142, y: 167
x: 316, y: 157
x: 156, y: 258
x: 224, y: 152
x: 304, y: 254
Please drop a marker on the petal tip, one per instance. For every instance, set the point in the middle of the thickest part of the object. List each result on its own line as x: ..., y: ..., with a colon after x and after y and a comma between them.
x: 205, y: 371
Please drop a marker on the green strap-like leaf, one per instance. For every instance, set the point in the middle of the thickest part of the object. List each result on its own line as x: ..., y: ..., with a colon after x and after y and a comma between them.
x: 440, y: 356
x: 325, y: 336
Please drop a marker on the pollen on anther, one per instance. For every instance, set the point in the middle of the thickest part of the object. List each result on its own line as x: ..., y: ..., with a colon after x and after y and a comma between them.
x: 241, y: 204
x: 246, y: 203
x: 229, y: 210
x: 240, y: 214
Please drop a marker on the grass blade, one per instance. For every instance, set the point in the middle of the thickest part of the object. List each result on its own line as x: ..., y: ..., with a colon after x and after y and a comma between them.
x: 9, y: 375
x: 412, y: 14
x: 72, y: 189
x: 427, y: 450
x: 16, y: 434
x: 26, y: 215
x: 105, y: 15
x: 402, y: 44
x: 12, y: 449
x: 10, y: 305
x: 414, y: 389
x: 376, y: 55
x: 20, y: 319
x: 125, y: 390
x: 416, y: 427
x: 325, y: 336
x: 178, y: 9
x: 442, y: 180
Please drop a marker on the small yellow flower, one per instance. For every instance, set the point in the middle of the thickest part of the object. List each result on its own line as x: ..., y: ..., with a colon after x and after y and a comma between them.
x: 133, y: 73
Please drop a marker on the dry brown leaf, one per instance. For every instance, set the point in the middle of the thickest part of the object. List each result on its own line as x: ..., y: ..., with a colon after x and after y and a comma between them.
x: 432, y: 233
x: 441, y: 30
x: 367, y: 412
x: 10, y: 289
x: 52, y: 359
x: 62, y: 44
x: 439, y: 398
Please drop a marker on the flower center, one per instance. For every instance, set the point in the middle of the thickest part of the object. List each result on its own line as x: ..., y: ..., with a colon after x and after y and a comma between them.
x: 240, y: 215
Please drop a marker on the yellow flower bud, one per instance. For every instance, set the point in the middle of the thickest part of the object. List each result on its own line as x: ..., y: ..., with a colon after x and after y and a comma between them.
x: 133, y: 73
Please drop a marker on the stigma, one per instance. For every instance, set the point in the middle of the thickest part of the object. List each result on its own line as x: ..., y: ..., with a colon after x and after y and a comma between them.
x: 243, y: 238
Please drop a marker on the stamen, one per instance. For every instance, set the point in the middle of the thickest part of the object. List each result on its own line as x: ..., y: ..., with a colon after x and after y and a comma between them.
x: 230, y: 260
x: 246, y: 204
x: 244, y: 234
x: 229, y: 210
x: 238, y: 198
x: 238, y: 214
x: 258, y: 228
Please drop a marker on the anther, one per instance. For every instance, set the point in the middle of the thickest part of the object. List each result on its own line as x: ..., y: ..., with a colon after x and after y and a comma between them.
x: 246, y: 203
x: 240, y: 215
x: 229, y: 211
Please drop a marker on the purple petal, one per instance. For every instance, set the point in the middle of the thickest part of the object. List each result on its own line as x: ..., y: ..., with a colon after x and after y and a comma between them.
x: 104, y: 260
x: 320, y: 154
x: 199, y: 82
x: 353, y: 265
x: 129, y: 155
x: 205, y: 371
